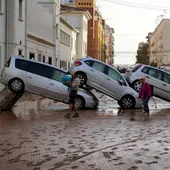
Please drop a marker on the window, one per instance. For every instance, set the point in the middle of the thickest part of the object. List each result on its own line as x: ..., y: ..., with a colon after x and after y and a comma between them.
x: 166, y: 78
x: 39, y: 57
x: 63, y: 65
x: 65, y: 38
x: 57, y: 75
x: 50, y: 60
x: 155, y: 73
x: 39, y: 69
x: 89, y: 63
x: 70, y: 1
x: 0, y: 55
x: 99, y: 67
x: 43, y: 59
x: 32, y: 56
x: 19, y: 52
x: 145, y: 70
x: 20, y: 9
x: 21, y: 64
x: 113, y: 74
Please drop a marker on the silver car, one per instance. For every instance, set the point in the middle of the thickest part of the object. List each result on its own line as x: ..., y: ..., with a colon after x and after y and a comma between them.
x: 105, y: 79
x: 157, y: 78
x: 21, y: 74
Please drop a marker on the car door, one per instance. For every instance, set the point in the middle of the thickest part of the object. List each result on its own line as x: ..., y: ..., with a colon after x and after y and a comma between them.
x: 112, y: 84
x: 56, y: 89
x: 154, y: 78
x: 166, y: 86
x: 37, y: 77
x: 96, y: 76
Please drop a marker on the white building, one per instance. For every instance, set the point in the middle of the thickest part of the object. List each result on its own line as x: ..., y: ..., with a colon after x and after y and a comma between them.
x: 78, y: 18
x: 67, y: 45
x: 159, y: 44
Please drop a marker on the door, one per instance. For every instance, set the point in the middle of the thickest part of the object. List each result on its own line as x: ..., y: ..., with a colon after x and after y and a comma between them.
x: 112, y: 78
x: 154, y: 78
x: 56, y: 89
x: 96, y: 79
x: 37, y: 77
x: 166, y: 86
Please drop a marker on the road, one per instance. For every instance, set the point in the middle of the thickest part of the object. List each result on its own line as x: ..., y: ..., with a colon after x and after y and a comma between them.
x: 36, y: 136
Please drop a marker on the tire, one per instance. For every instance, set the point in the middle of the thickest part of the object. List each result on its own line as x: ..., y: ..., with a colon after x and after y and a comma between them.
x: 127, y: 102
x: 136, y: 85
x: 16, y: 85
x: 82, y: 77
x: 80, y: 102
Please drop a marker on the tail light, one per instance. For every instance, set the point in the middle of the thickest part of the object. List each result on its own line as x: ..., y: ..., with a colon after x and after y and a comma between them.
x: 77, y: 63
x: 136, y: 68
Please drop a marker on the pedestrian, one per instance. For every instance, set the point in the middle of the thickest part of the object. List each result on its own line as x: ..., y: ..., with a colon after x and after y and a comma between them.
x: 72, y: 91
x: 145, y: 94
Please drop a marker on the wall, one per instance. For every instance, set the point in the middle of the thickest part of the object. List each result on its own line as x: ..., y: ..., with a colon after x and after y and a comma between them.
x: 77, y: 21
x: 2, y: 35
x: 41, y: 24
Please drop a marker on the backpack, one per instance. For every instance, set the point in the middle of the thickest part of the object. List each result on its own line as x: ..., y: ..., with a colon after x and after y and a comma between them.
x: 66, y: 78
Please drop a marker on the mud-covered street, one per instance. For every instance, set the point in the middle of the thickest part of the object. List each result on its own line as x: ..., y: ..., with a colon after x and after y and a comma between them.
x: 35, y: 135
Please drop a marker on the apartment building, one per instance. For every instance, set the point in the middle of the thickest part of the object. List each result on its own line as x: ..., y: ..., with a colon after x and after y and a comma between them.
x: 159, y: 44
x: 95, y: 44
x: 67, y: 45
x: 27, y: 34
x: 78, y: 18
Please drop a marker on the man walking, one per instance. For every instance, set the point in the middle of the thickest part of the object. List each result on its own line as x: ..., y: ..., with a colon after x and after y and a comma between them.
x: 72, y: 91
x: 145, y: 94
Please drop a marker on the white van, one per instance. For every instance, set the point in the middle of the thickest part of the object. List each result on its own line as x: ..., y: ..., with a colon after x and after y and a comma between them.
x: 21, y: 74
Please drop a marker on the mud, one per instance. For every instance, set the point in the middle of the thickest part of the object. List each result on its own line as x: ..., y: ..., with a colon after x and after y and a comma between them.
x: 35, y: 135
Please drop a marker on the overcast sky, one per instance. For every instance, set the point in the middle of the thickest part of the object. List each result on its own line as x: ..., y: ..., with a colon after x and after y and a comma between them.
x: 131, y: 24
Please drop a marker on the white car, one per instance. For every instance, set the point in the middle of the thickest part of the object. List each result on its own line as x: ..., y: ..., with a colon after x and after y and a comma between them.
x: 21, y: 74
x: 157, y: 78
x: 106, y: 79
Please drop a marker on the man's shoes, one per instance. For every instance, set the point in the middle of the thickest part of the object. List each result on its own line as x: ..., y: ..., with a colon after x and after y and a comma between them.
x: 76, y: 115
x: 67, y: 115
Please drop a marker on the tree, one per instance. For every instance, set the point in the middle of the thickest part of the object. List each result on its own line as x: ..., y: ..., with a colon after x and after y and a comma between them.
x: 142, y: 54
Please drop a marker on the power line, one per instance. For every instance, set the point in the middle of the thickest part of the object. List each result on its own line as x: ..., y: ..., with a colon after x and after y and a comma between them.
x: 136, y: 5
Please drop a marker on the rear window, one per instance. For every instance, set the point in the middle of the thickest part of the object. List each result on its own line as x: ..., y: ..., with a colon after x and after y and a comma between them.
x: 145, y: 70
x: 89, y: 62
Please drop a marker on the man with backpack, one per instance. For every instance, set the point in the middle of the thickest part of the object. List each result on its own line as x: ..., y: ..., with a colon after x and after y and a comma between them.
x: 73, y: 84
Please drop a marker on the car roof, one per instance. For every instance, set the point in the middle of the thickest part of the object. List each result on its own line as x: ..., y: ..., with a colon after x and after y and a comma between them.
x: 86, y: 58
x: 46, y: 64
x: 144, y: 65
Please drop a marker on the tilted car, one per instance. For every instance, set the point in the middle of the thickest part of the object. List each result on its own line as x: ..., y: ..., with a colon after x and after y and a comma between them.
x: 21, y: 74
x: 106, y: 79
x: 157, y: 78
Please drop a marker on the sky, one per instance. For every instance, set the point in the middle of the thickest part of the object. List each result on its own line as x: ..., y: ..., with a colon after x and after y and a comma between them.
x: 131, y: 24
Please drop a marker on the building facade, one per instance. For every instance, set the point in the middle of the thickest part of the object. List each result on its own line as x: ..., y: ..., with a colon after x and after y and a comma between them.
x: 159, y: 42
x: 95, y: 44
x: 109, y: 45
x: 67, y: 46
x: 78, y: 18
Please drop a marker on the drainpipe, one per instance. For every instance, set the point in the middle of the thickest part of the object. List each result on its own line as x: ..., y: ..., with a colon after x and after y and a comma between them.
x: 6, y: 32
x: 26, y: 20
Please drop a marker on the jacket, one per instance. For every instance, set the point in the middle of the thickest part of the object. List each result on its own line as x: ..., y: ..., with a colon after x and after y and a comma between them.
x: 145, y: 91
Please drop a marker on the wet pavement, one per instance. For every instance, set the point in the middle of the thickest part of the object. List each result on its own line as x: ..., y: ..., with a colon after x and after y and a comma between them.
x: 35, y: 135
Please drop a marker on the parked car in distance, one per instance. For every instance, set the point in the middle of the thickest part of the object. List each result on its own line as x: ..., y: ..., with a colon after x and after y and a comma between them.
x: 106, y: 79
x: 157, y: 78
x: 21, y: 74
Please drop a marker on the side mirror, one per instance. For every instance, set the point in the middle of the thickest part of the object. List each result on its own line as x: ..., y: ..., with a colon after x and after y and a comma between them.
x: 121, y: 82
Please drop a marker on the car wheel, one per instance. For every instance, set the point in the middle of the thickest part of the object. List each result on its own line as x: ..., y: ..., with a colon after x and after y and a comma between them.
x: 136, y: 85
x: 79, y: 102
x: 127, y: 102
x: 16, y: 85
x: 82, y: 77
